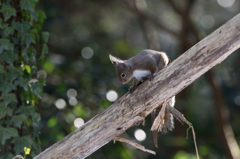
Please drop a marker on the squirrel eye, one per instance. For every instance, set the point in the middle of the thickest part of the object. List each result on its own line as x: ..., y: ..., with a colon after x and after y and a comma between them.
x: 123, y: 75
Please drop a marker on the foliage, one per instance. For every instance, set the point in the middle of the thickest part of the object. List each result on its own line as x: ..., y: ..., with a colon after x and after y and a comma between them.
x: 20, y: 44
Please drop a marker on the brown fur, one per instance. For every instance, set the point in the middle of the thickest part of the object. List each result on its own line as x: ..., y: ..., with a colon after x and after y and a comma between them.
x: 150, y: 60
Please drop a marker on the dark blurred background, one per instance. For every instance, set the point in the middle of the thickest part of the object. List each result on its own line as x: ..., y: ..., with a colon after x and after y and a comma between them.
x: 81, y: 81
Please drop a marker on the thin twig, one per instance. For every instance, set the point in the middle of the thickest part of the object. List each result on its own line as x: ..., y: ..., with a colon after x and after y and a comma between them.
x: 181, y: 117
x: 134, y: 144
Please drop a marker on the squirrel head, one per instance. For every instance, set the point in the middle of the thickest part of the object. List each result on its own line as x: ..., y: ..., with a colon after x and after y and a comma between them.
x: 124, y: 71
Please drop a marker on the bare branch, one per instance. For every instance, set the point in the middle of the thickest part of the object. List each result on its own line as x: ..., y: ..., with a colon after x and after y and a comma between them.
x: 132, y: 108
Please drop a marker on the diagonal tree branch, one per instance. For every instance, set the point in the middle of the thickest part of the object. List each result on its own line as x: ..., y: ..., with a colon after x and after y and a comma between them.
x: 132, y: 108
x: 225, y: 129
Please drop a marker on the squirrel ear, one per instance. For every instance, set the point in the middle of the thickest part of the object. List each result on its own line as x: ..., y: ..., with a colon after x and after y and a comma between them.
x: 124, y: 66
x: 115, y: 61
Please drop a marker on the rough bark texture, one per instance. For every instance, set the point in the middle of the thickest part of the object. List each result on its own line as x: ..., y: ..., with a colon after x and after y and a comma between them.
x: 132, y: 108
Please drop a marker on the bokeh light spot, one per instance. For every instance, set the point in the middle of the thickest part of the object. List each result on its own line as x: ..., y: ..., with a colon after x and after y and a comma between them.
x: 52, y: 122
x: 140, y: 135
x: 78, y: 122
x: 70, y: 118
x: 237, y: 100
x: 72, y: 101
x: 48, y: 66
x: 33, y: 81
x: 60, y: 103
x: 111, y: 95
x: 87, y: 52
x: 226, y: 3
x: 42, y: 72
x: 71, y: 93
x: 207, y: 21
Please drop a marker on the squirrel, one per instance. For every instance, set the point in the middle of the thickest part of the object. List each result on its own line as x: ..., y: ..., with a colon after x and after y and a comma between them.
x: 145, y: 65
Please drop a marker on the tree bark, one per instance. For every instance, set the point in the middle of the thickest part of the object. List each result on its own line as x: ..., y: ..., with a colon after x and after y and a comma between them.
x: 132, y: 108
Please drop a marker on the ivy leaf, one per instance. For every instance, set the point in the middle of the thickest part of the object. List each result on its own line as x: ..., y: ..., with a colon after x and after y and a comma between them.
x: 20, y: 143
x: 45, y: 36
x: 8, y: 31
x: 44, y: 51
x: 2, y: 69
x: 35, y: 34
x: 27, y: 110
x: 36, y: 126
x: 5, y: 30
x: 5, y: 110
x: 34, y: 15
x: 41, y: 16
x: 7, y: 87
x: 22, y: 82
x: 18, y: 120
x: 38, y: 27
x: 27, y: 68
x: 5, y: 44
x: 7, y: 133
x: 21, y: 27
x: 14, y: 72
x: 8, y: 56
x: 28, y: 38
x: 8, y: 98
x: 37, y: 89
x: 28, y: 5
x: 7, y: 11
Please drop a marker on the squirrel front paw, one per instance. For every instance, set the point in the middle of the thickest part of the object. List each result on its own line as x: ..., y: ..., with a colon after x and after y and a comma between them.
x: 150, y: 77
x: 132, y: 88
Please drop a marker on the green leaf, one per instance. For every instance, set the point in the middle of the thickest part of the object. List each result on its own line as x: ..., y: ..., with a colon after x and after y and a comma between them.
x: 44, y: 51
x: 20, y: 143
x: 8, y: 98
x: 34, y: 15
x: 6, y: 30
x: 5, y: 44
x: 7, y: 11
x: 28, y: 5
x: 41, y: 16
x: 14, y: 72
x: 35, y: 34
x: 7, y: 87
x: 7, y: 133
x: 37, y: 26
x: 8, y: 56
x: 27, y: 39
x: 26, y: 55
x: 2, y: 69
x: 5, y: 110
x: 37, y: 89
x: 15, y: 40
x: 22, y: 82
x: 27, y: 68
x: 18, y: 120
x: 21, y: 27
x: 45, y: 36
x: 27, y: 110
x: 36, y: 120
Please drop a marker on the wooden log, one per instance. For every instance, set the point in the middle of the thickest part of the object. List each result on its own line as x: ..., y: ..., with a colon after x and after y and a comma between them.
x: 132, y: 108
